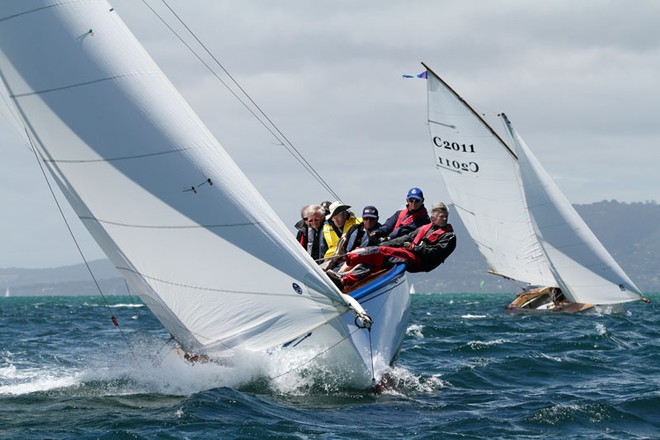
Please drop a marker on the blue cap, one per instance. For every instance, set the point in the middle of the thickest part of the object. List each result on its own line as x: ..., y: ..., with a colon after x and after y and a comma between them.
x: 370, y: 212
x: 415, y: 193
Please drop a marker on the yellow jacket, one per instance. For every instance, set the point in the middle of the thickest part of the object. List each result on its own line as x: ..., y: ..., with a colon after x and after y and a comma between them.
x: 331, y: 237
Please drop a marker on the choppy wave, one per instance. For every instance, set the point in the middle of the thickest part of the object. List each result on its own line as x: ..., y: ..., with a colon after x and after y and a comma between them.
x: 466, y: 370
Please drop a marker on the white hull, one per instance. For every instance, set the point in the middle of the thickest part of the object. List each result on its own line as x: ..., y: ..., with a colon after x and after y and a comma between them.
x: 166, y: 203
x: 357, y: 353
x: 339, y: 348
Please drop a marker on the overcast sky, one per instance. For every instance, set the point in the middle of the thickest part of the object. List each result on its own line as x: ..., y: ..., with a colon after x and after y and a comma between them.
x: 580, y: 80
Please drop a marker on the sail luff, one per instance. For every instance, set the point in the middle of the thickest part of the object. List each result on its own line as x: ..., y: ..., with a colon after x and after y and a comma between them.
x: 158, y: 193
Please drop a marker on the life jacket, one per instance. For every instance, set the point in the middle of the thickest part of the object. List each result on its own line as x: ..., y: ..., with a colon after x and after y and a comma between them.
x: 315, y: 244
x: 302, y: 237
x: 333, y: 234
x: 352, y: 239
x: 433, y: 236
x: 406, y: 217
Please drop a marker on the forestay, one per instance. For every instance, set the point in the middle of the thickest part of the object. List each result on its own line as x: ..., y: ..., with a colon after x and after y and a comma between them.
x: 585, y: 271
x: 161, y: 197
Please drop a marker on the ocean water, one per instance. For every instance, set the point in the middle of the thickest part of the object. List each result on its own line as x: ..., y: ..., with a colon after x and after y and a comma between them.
x: 467, y: 371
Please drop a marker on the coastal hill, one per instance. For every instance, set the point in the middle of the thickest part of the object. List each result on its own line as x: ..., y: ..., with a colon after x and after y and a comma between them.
x: 629, y: 231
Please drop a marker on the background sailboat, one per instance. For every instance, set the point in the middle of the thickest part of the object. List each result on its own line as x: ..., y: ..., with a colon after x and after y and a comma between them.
x: 520, y: 221
x: 166, y: 203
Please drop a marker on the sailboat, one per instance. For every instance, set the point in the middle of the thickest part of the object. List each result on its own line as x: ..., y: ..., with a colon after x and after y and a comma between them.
x: 185, y: 227
x: 518, y: 218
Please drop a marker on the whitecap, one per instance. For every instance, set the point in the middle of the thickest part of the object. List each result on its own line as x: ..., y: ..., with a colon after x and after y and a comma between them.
x: 476, y: 345
x: 415, y: 330
x: 16, y: 381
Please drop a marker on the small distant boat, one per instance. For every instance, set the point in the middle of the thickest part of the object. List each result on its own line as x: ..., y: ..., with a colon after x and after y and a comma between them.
x: 412, y: 288
x: 169, y: 207
x: 522, y: 224
x: 7, y: 294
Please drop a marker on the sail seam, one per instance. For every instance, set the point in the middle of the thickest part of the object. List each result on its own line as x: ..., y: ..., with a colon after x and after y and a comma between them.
x: 72, y: 86
x: 31, y: 11
x: 128, y: 225
x: 208, y: 289
x: 137, y: 156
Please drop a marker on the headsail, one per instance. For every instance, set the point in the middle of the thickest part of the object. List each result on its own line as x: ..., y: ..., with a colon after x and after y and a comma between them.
x: 586, y: 272
x: 482, y: 177
x: 162, y: 198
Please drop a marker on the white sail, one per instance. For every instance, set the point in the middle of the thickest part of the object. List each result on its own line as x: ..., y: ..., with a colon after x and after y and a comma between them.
x: 520, y: 221
x: 585, y: 271
x: 159, y: 194
x: 482, y: 177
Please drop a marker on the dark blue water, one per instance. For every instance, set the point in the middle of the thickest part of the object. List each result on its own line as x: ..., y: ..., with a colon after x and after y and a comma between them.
x: 467, y: 371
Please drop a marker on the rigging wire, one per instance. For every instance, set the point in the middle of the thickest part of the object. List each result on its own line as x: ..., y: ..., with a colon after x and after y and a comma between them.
x: 40, y: 161
x: 21, y: 124
x: 272, y: 128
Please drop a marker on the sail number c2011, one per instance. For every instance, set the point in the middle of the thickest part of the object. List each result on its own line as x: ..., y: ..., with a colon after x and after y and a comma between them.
x: 455, y: 146
x: 456, y: 165
x: 471, y: 167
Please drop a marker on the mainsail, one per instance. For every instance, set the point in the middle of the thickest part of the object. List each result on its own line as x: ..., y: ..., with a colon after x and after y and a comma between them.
x: 481, y: 175
x: 520, y: 221
x: 156, y: 190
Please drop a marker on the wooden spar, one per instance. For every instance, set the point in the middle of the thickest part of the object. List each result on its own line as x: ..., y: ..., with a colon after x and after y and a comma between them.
x: 460, y: 98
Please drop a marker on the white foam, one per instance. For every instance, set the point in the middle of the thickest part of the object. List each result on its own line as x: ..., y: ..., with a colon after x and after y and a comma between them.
x: 284, y: 372
x: 15, y: 381
x: 481, y: 344
x: 416, y: 331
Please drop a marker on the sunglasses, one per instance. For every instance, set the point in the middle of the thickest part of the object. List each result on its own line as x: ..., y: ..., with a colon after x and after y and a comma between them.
x: 414, y: 201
